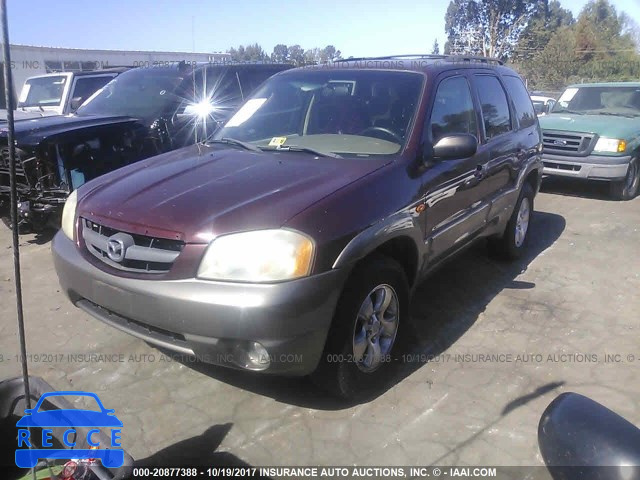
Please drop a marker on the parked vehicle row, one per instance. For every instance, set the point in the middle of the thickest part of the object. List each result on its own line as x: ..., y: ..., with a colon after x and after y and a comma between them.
x: 59, y: 93
x: 140, y: 113
x: 290, y: 242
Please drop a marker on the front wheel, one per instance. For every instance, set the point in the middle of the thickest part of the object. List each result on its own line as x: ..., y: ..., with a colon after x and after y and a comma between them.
x: 627, y: 189
x: 23, y: 226
x: 366, y: 327
x: 515, y: 238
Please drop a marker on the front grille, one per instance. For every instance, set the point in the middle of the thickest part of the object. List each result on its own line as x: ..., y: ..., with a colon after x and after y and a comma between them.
x: 562, y: 166
x: 129, y: 251
x: 567, y: 143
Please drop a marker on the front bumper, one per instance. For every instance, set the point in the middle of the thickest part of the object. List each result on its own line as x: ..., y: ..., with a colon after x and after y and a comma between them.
x: 592, y: 167
x: 217, y: 322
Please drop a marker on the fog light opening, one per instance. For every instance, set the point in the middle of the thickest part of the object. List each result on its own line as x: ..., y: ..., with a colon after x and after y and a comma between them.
x: 258, y: 355
x: 252, y: 356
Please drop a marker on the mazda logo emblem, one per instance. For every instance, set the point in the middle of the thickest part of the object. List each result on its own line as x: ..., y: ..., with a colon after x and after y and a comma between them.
x: 116, y: 249
x: 117, y: 246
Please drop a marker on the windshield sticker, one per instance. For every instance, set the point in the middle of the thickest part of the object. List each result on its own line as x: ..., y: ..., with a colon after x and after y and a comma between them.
x: 25, y: 93
x: 568, y: 95
x: 277, y: 141
x: 246, y: 112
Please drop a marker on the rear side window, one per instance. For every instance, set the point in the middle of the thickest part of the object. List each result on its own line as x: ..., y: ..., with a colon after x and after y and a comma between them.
x: 495, y: 108
x: 86, y: 86
x: 521, y: 100
x: 453, y: 111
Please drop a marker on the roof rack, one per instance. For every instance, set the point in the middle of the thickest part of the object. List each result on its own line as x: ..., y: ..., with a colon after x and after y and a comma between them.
x: 450, y: 58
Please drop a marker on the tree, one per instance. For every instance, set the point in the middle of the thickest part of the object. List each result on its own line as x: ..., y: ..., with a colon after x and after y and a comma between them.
x: 597, y: 47
x: 632, y: 29
x: 280, y: 53
x: 548, y: 18
x: 296, y: 55
x: 329, y: 54
x: 557, y: 63
x: 436, y: 48
x: 312, y: 56
x: 250, y: 53
x: 283, y: 53
x: 487, y: 27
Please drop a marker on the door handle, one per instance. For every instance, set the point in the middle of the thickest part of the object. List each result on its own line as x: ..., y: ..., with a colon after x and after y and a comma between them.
x: 478, y: 175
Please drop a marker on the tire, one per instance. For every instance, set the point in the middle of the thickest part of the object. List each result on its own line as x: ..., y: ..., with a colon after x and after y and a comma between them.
x: 5, y: 213
x: 23, y: 227
x: 516, y: 234
x: 349, y: 368
x: 627, y: 189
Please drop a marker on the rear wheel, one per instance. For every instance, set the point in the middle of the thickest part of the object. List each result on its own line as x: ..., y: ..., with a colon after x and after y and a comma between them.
x: 365, y: 329
x: 515, y: 238
x: 627, y: 189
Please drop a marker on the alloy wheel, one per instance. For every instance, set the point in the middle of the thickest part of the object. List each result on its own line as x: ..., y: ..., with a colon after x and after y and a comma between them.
x: 375, y: 328
x: 522, y: 222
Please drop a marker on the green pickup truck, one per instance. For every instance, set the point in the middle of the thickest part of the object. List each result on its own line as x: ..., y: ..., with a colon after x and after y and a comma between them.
x: 593, y: 133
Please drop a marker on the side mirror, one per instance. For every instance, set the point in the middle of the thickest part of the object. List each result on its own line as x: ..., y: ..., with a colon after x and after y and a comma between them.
x: 581, y: 439
x: 455, y: 146
x: 75, y: 103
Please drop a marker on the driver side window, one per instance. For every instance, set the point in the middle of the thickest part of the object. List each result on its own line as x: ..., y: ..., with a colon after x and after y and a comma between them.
x: 453, y: 111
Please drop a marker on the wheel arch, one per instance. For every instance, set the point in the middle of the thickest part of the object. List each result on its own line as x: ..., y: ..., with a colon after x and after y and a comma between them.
x: 398, y: 240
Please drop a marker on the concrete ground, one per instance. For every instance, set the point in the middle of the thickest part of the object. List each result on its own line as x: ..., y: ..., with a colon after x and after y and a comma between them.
x: 570, y: 302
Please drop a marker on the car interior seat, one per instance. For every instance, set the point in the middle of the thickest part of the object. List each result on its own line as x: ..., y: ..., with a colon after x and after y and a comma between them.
x: 380, y: 105
x: 336, y: 111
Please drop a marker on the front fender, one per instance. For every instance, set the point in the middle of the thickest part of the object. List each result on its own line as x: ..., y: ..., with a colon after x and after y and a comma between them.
x: 401, y: 224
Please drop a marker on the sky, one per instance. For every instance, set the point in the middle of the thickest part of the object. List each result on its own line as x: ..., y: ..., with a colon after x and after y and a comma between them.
x: 357, y: 28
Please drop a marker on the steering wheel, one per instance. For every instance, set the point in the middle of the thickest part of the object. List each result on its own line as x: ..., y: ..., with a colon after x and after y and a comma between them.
x: 394, y: 136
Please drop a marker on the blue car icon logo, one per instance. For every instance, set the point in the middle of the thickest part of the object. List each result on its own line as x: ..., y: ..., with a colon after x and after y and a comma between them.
x: 69, y: 419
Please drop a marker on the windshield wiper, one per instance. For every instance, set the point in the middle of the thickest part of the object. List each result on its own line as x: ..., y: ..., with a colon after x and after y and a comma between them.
x: 575, y: 112
x: 627, y: 115
x: 296, y: 148
x: 237, y: 143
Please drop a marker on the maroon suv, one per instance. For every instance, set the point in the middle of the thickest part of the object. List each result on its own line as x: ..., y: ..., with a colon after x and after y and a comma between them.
x: 290, y: 243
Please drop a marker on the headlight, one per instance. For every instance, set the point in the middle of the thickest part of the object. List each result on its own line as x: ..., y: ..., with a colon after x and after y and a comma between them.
x: 610, y: 145
x: 258, y: 256
x: 69, y: 215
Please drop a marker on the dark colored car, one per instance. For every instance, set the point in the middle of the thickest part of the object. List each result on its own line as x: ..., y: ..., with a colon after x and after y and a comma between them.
x: 141, y: 113
x: 291, y: 242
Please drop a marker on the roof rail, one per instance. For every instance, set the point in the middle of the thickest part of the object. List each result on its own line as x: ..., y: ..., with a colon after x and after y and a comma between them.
x: 451, y: 58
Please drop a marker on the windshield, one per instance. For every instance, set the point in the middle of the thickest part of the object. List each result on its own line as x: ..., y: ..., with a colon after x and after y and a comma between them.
x: 611, y: 100
x: 141, y: 92
x: 42, y: 91
x: 343, y: 112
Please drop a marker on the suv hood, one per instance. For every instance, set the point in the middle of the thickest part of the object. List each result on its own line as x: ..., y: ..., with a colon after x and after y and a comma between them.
x: 604, y: 125
x: 196, y: 196
x: 35, y: 130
